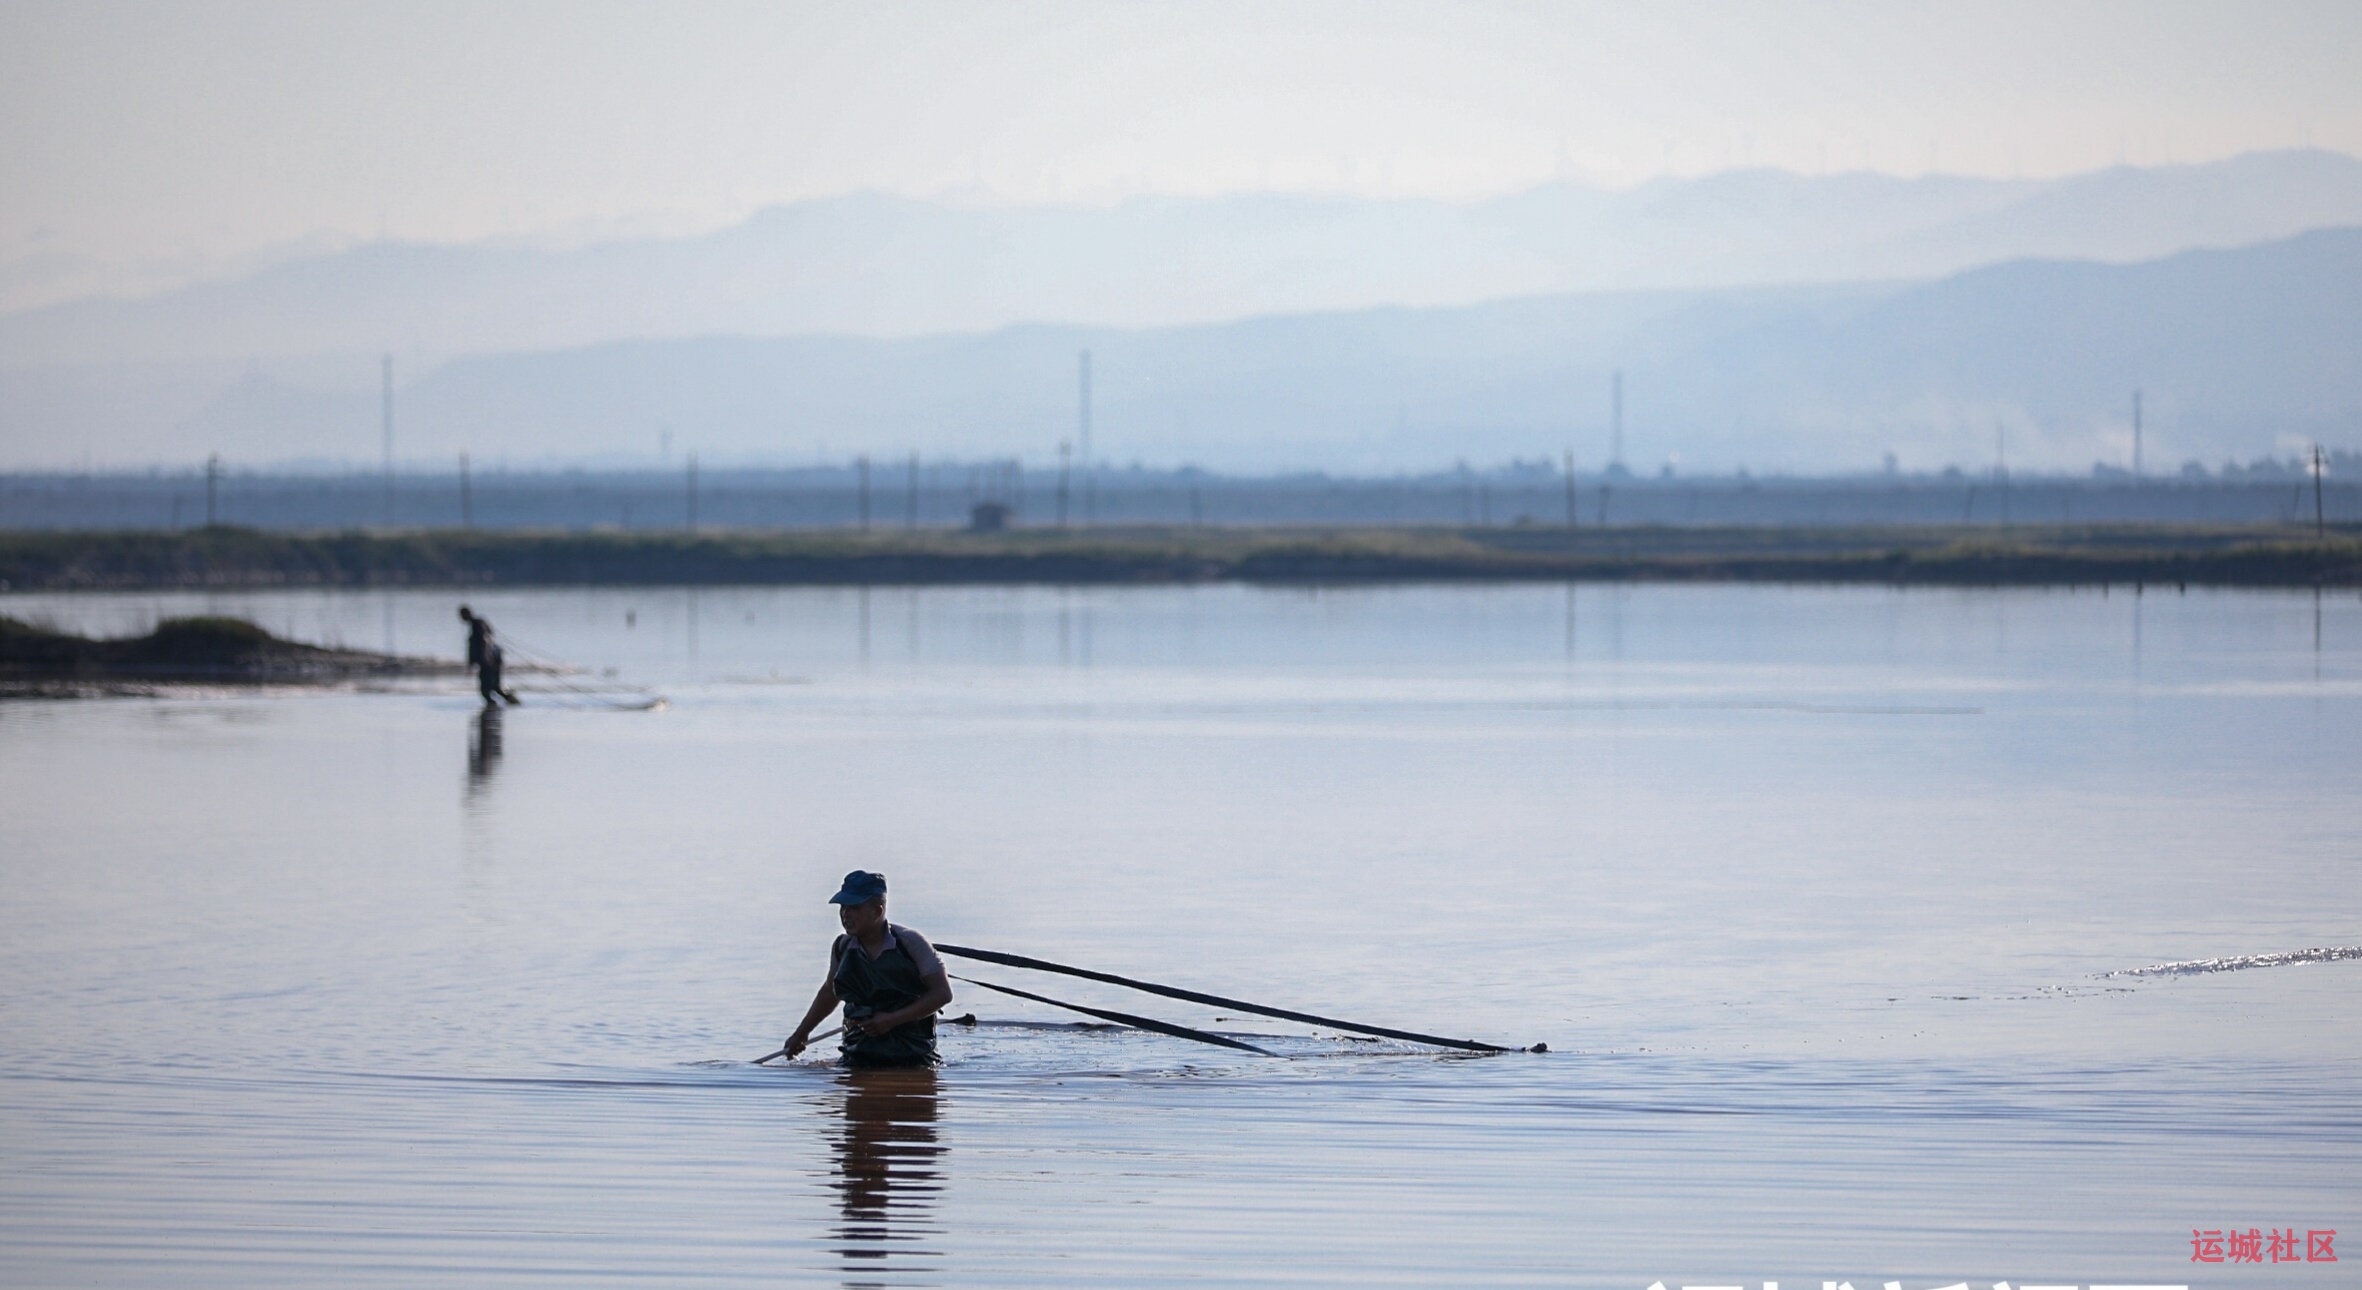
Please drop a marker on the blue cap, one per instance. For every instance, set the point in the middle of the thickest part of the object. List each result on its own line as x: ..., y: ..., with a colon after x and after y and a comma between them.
x: 861, y: 887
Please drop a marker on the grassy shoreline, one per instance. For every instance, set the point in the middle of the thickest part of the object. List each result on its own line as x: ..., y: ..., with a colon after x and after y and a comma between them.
x: 224, y: 557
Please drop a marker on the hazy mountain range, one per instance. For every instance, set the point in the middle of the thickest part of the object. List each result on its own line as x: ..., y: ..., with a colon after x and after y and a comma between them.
x: 2239, y: 352
x: 1762, y: 318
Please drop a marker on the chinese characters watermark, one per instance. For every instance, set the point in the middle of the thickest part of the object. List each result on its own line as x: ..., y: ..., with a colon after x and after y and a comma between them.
x: 1954, y: 1286
x: 2212, y: 1245
x: 2260, y: 1245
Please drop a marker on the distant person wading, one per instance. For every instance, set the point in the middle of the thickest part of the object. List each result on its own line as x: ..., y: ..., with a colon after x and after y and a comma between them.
x: 888, y: 977
x: 483, y: 654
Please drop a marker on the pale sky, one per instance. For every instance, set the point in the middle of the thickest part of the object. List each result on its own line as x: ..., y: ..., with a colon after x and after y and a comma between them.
x: 150, y: 130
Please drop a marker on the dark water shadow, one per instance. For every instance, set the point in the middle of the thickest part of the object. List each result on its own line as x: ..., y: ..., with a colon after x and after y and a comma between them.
x: 888, y: 1173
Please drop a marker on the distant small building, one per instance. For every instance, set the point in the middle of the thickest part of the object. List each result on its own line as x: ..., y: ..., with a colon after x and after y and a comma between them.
x: 988, y: 517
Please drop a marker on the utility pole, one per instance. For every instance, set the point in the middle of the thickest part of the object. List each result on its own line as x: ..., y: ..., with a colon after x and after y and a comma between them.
x: 2001, y: 470
x: 1615, y: 421
x: 1570, y: 490
x: 1083, y: 441
x: 910, y: 500
x: 2320, y: 468
x: 386, y: 408
x: 1065, y: 470
x: 212, y: 488
x: 692, y: 492
x: 2136, y: 436
x: 1616, y: 418
x: 861, y: 465
x: 467, y: 510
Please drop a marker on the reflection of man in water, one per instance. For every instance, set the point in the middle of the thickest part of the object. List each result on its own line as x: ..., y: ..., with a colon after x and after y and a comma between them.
x: 483, y: 654
x: 887, y: 1173
x: 483, y: 746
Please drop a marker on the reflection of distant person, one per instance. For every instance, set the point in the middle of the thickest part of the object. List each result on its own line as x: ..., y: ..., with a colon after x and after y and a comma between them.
x: 483, y: 654
x: 888, y: 977
x: 483, y: 746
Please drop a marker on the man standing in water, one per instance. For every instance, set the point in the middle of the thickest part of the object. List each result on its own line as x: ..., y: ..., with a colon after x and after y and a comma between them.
x: 889, y: 979
x: 483, y: 654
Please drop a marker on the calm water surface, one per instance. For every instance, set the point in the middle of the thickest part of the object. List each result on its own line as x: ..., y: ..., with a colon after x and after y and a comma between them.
x: 1812, y: 894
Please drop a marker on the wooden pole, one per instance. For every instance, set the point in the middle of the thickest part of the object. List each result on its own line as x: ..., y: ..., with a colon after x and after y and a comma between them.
x: 807, y: 1043
x: 1213, y: 1000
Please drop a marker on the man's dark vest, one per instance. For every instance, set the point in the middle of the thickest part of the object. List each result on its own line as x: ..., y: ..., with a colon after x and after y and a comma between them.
x: 889, y: 981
